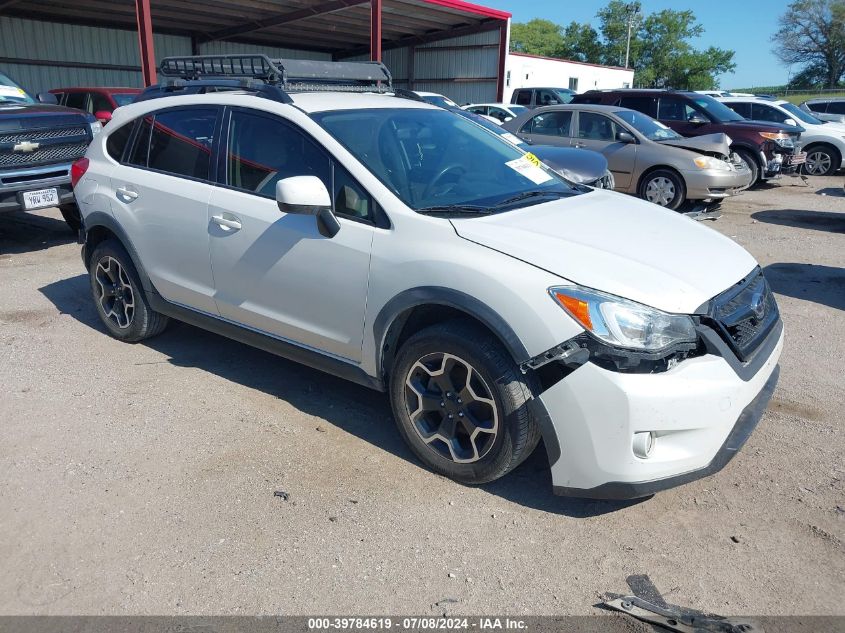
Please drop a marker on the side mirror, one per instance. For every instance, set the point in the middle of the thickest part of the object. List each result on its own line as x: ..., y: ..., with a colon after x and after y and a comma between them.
x: 791, y: 122
x: 697, y: 120
x: 307, y: 195
x: 47, y: 97
x: 507, y: 118
x: 103, y: 116
x: 625, y: 137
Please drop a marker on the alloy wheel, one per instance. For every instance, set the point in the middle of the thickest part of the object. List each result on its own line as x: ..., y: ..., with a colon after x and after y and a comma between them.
x: 660, y: 191
x: 818, y: 163
x: 451, y: 407
x: 117, y: 298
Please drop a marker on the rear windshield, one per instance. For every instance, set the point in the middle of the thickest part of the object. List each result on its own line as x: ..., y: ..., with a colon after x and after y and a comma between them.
x: 10, y: 92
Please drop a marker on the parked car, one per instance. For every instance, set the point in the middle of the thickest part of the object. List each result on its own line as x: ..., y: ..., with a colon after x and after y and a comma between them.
x: 538, y: 97
x: 397, y: 245
x: 39, y: 141
x: 501, y: 112
x: 832, y: 109
x: 646, y: 158
x: 437, y: 99
x: 583, y: 167
x: 769, y: 149
x: 100, y: 102
x: 821, y: 141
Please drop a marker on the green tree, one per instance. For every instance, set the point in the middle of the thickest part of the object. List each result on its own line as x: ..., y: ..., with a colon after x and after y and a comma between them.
x: 613, y: 21
x: 537, y: 37
x: 581, y: 43
x: 665, y: 57
x: 812, y: 34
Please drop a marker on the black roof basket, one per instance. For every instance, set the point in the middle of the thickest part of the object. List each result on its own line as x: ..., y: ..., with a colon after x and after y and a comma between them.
x: 291, y: 75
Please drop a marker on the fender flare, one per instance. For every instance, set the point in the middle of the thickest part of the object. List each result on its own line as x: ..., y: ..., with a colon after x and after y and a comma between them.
x: 437, y: 295
x: 102, y: 219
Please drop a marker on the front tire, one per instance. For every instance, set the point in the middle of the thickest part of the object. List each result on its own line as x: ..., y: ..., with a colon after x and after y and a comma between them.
x: 822, y: 160
x: 752, y: 164
x: 461, y: 403
x: 70, y: 212
x: 119, y: 296
x: 663, y: 187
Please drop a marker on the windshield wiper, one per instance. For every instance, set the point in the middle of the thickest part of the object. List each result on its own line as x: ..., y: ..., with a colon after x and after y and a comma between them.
x: 525, y: 195
x: 460, y: 209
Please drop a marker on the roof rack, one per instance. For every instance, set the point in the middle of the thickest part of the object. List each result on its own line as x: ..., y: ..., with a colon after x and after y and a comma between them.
x: 290, y: 75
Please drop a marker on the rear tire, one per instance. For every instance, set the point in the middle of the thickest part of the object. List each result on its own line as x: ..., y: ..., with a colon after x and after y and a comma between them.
x: 119, y: 295
x: 459, y: 369
x: 70, y: 212
x: 752, y: 164
x: 664, y: 188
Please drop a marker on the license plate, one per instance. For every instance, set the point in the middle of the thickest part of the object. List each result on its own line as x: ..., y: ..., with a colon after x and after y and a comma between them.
x: 798, y: 159
x: 40, y: 199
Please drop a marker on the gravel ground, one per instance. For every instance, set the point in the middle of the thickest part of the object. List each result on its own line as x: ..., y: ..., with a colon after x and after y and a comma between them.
x: 140, y: 479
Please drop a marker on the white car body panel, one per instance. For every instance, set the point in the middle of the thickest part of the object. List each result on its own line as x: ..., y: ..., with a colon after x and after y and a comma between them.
x: 569, y: 237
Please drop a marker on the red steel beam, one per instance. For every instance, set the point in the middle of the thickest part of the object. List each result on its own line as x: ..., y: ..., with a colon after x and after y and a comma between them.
x: 145, y: 41
x: 375, y: 30
x: 503, y: 55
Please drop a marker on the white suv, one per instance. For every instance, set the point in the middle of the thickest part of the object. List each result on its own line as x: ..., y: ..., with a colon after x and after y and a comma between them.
x: 406, y: 248
x: 823, y: 141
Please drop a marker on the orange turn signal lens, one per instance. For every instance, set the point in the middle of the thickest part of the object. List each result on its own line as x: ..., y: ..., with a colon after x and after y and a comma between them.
x: 577, y: 308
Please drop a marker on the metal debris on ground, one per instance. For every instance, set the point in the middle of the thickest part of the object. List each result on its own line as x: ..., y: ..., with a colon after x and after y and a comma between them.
x: 675, y: 620
x: 281, y: 493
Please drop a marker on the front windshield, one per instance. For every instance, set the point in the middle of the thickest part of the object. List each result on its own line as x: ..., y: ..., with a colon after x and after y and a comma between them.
x: 10, y: 92
x: 648, y: 127
x: 799, y: 114
x: 434, y: 159
x: 123, y: 98
x: 719, y: 111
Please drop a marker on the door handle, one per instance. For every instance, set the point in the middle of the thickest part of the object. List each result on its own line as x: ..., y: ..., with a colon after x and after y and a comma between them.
x: 230, y: 224
x: 127, y: 195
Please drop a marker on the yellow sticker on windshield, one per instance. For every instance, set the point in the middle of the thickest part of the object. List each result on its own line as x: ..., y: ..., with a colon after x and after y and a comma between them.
x: 534, y: 160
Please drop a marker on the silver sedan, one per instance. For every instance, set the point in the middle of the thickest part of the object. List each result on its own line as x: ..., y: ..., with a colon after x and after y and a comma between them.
x: 646, y: 158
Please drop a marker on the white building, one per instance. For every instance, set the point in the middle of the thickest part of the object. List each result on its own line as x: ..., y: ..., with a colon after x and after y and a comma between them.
x: 533, y: 71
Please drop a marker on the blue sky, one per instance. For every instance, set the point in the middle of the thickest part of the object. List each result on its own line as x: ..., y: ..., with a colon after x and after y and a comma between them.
x: 744, y: 26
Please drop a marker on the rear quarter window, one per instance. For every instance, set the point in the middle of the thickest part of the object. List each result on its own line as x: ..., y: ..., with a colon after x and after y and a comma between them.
x: 117, y: 140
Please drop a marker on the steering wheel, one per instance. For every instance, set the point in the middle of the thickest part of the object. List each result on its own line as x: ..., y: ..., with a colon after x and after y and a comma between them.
x: 454, y: 167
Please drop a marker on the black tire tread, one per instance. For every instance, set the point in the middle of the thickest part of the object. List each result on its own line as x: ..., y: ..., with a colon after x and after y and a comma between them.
x: 522, y: 433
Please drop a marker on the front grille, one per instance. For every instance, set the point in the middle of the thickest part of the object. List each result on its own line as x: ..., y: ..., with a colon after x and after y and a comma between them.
x: 744, y: 314
x: 36, y: 136
x: 49, y: 154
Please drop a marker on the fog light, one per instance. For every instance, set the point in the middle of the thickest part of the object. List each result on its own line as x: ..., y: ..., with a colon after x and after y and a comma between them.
x: 644, y: 444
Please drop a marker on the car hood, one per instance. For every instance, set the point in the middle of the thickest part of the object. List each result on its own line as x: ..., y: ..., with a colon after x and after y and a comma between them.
x: 618, y: 244
x: 22, y: 116
x: 718, y: 143
x: 763, y: 126
x: 576, y: 165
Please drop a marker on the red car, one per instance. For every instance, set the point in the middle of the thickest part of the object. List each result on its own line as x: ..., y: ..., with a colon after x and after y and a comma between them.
x: 100, y: 102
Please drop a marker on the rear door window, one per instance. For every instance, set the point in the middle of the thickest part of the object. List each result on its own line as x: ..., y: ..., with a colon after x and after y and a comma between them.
x: 523, y: 97
x: 674, y: 109
x: 78, y: 100
x: 181, y: 142
x: 760, y: 112
x: 596, y: 127
x: 742, y: 109
x: 836, y: 107
x: 640, y: 104
x: 549, y: 124
x: 818, y: 106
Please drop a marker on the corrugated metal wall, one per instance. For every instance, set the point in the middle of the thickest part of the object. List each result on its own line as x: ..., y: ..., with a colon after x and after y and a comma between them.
x: 62, y: 43
x: 463, y: 68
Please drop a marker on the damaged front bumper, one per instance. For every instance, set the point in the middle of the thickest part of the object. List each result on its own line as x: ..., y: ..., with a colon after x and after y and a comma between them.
x: 699, y: 412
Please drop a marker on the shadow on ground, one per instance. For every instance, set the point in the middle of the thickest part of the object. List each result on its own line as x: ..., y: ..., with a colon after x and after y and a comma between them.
x: 833, y: 192
x: 25, y: 232
x: 357, y: 410
x: 824, y: 285
x: 816, y: 220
